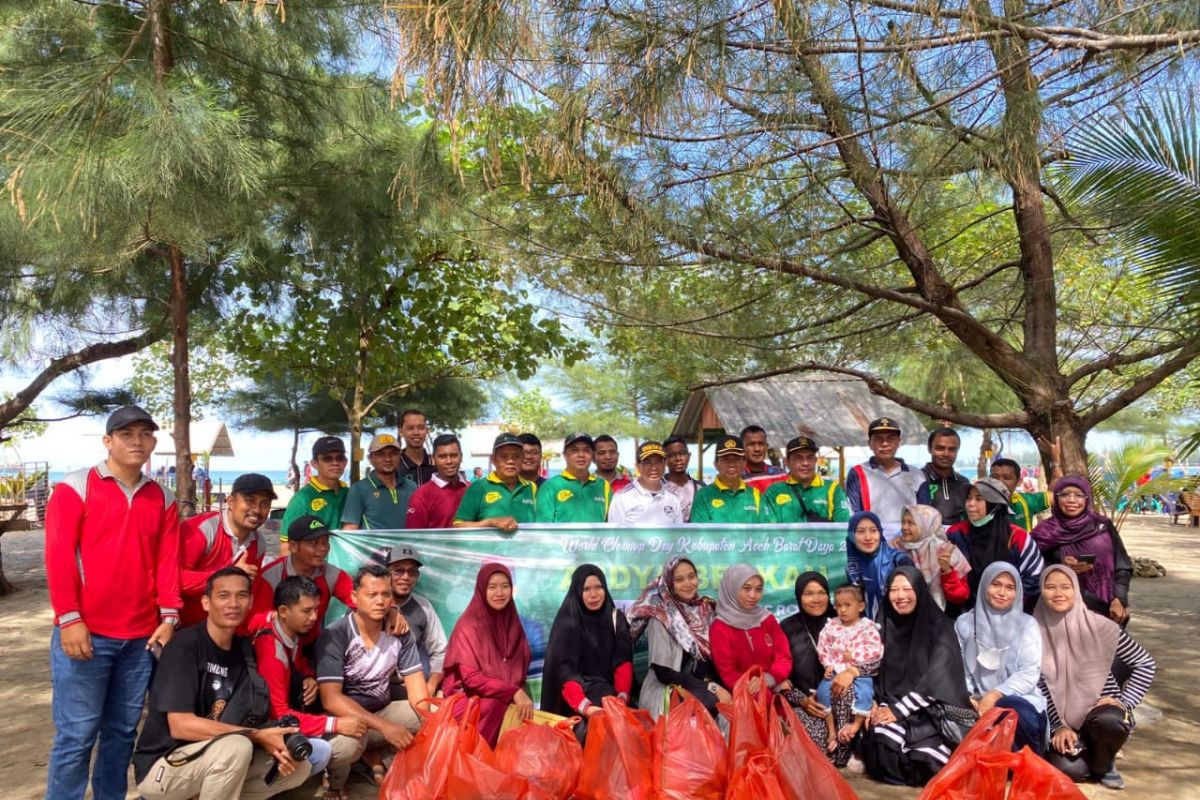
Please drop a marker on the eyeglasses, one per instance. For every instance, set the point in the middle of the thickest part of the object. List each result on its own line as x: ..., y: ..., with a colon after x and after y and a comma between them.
x: 332, y: 458
x: 1070, y: 496
x: 400, y: 572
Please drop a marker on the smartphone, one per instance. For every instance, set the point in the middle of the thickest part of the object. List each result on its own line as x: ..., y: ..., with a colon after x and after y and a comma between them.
x: 1086, y: 558
x: 156, y: 650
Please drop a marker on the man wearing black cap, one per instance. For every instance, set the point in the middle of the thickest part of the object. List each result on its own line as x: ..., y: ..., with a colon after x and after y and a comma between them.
x: 404, y: 565
x: 885, y: 484
x: 226, y: 538
x: 501, y: 499
x: 647, y: 500
x: 325, y: 494
x: 942, y: 487
x: 728, y: 498
x: 805, y: 496
x: 120, y: 530
x: 575, y: 494
x: 309, y: 536
x: 380, y: 500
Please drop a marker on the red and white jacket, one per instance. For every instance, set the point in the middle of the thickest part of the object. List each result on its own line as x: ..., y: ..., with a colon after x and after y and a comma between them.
x: 283, y: 666
x: 112, y: 554
x: 209, y: 545
x: 332, y: 582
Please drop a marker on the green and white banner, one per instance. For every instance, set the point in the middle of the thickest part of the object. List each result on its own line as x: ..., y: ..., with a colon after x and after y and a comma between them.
x: 542, y: 558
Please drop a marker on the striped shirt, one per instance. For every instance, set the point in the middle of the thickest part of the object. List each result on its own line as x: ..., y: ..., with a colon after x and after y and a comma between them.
x: 1142, y: 668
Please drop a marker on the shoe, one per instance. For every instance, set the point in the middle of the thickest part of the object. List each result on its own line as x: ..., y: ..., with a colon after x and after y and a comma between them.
x: 856, y: 766
x: 1112, y: 780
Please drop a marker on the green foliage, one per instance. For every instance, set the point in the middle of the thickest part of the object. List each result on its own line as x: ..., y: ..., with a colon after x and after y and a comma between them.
x: 1115, y: 477
x: 530, y: 411
x: 213, y: 373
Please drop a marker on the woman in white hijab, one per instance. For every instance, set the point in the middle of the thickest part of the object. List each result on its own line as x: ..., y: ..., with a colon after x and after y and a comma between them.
x: 1002, y: 654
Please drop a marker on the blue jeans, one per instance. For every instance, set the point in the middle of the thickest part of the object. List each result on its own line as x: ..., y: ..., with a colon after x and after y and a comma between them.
x: 321, y: 752
x: 98, y: 698
x: 864, y: 694
x: 1031, y: 723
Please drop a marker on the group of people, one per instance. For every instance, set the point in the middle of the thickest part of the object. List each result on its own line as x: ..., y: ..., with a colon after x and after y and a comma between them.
x: 953, y: 602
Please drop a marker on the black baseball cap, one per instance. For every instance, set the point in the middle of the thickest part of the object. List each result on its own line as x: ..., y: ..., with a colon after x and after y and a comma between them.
x: 802, y: 443
x: 127, y: 415
x: 881, y: 425
x: 328, y: 444
x: 731, y: 446
x: 505, y: 440
x: 307, y: 528
x: 578, y: 436
x: 253, y: 483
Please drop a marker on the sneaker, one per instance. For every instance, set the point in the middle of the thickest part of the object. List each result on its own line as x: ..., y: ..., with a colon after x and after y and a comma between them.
x: 856, y: 766
x: 1112, y: 780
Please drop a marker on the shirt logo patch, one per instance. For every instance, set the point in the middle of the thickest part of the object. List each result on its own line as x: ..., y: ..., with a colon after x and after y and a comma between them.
x: 782, y: 499
x: 491, y: 497
x: 564, y: 495
x: 318, y: 503
x: 718, y: 502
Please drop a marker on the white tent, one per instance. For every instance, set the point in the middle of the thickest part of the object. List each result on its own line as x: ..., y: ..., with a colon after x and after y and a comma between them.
x: 209, y: 437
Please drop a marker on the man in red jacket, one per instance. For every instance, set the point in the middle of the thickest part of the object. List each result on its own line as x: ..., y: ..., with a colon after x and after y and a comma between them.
x: 290, y: 677
x: 226, y: 538
x: 112, y: 565
x: 310, y: 536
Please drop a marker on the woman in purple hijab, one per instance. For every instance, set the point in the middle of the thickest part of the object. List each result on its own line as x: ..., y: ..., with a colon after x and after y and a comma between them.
x: 1081, y: 538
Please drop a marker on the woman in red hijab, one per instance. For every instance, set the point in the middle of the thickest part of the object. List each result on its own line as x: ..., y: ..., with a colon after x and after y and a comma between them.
x: 488, y: 655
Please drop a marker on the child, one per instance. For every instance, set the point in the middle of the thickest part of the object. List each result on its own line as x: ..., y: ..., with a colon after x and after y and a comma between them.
x: 848, y: 640
x: 944, y: 566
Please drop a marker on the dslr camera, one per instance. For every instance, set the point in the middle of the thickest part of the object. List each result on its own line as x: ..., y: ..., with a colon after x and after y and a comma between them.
x: 297, y: 744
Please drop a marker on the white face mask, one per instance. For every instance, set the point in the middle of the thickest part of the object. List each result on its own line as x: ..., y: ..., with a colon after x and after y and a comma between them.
x: 990, y: 658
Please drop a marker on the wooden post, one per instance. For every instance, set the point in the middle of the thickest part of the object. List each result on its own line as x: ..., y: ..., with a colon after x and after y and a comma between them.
x: 841, y: 451
x: 700, y: 453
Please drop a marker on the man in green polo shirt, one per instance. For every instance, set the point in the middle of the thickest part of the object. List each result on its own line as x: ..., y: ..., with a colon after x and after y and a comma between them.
x: 380, y: 500
x: 324, y: 494
x: 502, y: 499
x: 1025, y: 506
x: 729, y: 498
x: 805, y: 496
x: 574, y: 495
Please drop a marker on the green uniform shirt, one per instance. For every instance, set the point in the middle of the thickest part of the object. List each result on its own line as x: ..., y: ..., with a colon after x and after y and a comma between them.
x: 313, y: 498
x: 822, y: 501
x: 371, y: 504
x: 488, y: 497
x: 565, y: 498
x: 719, y: 503
x: 1027, y: 505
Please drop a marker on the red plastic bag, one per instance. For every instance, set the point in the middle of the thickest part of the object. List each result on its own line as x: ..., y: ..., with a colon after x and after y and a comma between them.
x: 689, y: 753
x: 546, y: 755
x: 978, y: 770
x: 748, y: 717
x: 471, y: 776
x: 1035, y: 779
x: 804, y: 771
x: 420, y: 771
x: 617, y: 760
x: 757, y: 778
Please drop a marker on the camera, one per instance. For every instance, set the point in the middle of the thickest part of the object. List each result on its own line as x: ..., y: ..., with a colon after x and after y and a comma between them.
x: 297, y: 744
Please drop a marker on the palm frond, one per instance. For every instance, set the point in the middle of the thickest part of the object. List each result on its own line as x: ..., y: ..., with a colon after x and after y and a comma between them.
x: 1143, y: 171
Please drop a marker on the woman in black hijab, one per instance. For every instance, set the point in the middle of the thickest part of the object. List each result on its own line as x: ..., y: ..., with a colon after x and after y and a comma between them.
x: 590, y: 652
x: 803, y: 629
x: 920, y: 686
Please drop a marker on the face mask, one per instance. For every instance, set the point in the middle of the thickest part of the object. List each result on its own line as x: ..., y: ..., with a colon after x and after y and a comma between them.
x: 979, y: 523
x: 990, y: 658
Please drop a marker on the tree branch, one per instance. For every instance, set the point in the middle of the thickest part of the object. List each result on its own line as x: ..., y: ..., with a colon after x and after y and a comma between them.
x: 1013, y: 419
x: 1143, y: 384
x: 1121, y: 359
x: 101, y: 351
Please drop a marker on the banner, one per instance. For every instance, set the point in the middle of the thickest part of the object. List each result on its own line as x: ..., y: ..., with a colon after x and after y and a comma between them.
x: 542, y: 558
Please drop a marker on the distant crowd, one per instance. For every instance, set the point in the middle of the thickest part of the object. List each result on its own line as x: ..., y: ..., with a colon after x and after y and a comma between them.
x: 956, y: 600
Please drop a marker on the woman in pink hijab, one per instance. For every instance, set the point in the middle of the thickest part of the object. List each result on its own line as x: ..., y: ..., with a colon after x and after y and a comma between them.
x: 1091, y: 714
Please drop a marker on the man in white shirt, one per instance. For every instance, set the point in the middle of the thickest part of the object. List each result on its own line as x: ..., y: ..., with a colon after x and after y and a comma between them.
x: 647, y: 500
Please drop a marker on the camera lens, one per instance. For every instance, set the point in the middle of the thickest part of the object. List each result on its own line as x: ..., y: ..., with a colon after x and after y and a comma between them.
x: 299, y: 746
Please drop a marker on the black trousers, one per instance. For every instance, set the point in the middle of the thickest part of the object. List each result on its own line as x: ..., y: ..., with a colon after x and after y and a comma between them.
x: 1103, y: 733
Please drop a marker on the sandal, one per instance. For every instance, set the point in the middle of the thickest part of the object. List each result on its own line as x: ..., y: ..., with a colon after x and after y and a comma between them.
x: 378, y: 773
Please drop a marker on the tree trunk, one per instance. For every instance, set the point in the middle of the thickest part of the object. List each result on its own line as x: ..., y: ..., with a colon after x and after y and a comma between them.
x: 356, y: 424
x: 294, y: 483
x: 185, y: 489
x: 986, y: 449
x: 1071, y: 432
